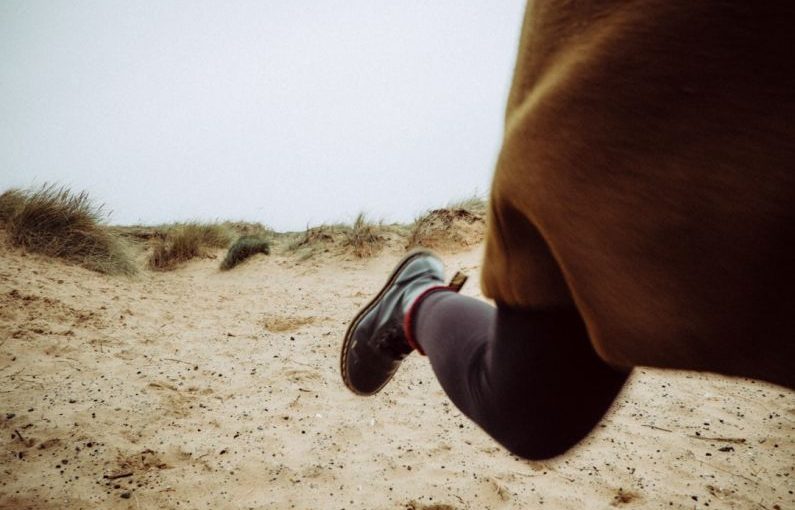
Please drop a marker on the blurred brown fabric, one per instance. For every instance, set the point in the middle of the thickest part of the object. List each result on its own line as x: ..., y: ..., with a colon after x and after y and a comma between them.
x: 647, y: 176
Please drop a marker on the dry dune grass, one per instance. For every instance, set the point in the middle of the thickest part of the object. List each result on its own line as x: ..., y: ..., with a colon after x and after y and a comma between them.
x: 185, y: 241
x: 54, y: 221
x: 459, y: 225
x: 316, y: 240
x: 145, y: 233
x: 11, y: 201
x: 362, y: 238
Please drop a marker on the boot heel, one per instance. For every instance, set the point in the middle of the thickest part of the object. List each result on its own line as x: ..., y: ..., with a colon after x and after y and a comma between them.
x: 458, y: 281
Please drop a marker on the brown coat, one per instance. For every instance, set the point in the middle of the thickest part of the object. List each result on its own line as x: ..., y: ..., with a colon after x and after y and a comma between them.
x: 647, y: 176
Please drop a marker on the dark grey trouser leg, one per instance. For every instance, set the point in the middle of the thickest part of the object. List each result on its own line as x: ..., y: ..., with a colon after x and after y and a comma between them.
x: 529, y: 378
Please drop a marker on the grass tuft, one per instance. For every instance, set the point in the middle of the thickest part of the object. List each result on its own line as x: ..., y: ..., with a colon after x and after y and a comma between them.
x: 364, y: 238
x: 475, y: 204
x: 460, y: 224
x: 182, y: 242
x: 315, y: 240
x: 244, y: 248
x: 56, y: 222
x: 11, y: 201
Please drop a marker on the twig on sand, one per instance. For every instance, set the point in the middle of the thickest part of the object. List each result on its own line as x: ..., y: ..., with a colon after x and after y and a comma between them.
x: 177, y: 360
x: 20, y: 436
x: 735, y: 440
x: 116, y: 476
x: 657, y: 428
x: 164, y: 386
x: 526, y: 475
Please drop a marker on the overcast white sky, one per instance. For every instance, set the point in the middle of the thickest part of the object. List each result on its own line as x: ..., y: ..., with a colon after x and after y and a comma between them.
x: 292, y: 113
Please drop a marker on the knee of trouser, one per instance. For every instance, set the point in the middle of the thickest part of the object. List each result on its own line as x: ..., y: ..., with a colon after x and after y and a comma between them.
x: 532, y: 428
x: 538, y: 442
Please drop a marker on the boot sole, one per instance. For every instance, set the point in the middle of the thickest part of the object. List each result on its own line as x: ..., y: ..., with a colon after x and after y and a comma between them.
x: 346, y: 343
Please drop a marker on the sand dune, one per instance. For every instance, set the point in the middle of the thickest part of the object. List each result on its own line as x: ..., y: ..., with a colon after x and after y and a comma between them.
x: 202, y: 389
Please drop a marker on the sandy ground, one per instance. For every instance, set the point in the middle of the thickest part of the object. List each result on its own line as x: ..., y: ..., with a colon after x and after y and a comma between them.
x: 202, y: 389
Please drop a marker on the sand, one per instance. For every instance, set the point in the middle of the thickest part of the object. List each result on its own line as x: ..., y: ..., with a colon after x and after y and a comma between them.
x: 202, y: 389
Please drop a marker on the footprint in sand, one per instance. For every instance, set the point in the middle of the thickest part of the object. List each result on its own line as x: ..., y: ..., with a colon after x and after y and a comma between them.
x: 301, y: 375
x: 279, y: 324
x: 173, y: 401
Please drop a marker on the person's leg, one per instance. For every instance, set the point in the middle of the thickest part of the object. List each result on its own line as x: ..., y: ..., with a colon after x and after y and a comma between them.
x: 529, y: 378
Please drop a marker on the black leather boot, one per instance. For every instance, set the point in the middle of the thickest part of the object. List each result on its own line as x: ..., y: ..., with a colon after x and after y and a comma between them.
x: 376, y: 342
